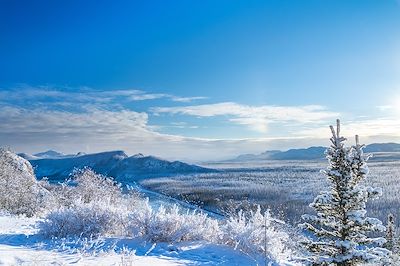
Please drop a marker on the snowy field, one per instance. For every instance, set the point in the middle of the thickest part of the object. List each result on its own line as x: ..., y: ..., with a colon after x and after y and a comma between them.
x: 20, y: 244
x: 286, y: 187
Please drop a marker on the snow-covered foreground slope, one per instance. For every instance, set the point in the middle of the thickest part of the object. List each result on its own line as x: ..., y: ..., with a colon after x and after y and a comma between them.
x: 20, y: 244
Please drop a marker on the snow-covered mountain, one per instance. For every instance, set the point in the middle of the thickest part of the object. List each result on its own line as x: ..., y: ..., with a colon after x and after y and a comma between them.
x: 50, y: 154
x: 114, y: 163
x: 150, y: 166
x: 262, y: 156
x: 310, y: 153
x: 382, y: 147
x: 381, y: 151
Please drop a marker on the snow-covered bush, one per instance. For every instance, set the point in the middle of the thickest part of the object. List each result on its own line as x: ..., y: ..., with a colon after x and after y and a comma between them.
x: 130, y: 217
x: 95, y: 187
x: 85, y: 186
x: 170, y: 225
x: 95, y: 206
x: 61, y: 195
x: 85, y: 219
x: 20, y: 193
x: 257, y: 232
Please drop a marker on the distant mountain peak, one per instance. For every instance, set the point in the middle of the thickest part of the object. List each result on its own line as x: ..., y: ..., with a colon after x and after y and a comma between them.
x: 49, y: 154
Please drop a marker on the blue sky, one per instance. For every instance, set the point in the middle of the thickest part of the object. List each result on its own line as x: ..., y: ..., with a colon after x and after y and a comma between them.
x: 218, y: 77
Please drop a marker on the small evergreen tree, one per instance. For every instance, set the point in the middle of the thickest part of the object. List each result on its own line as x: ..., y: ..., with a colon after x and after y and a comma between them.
x: 390, y: 231
x: 340, y: 229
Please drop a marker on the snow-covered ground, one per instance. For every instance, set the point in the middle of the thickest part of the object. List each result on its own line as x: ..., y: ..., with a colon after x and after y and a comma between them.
x: 20, y: 244
x: 157, y: 199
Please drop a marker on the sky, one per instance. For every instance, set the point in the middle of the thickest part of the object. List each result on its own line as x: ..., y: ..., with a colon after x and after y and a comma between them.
x: 197, y: 80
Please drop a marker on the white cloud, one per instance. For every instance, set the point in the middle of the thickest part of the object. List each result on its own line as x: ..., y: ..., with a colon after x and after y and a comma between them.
x: 255, y: 117
x: 97, y: 130
x: 36, y: 119
x: 93, y: 122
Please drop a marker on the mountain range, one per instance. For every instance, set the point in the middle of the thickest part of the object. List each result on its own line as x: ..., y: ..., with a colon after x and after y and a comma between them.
x: 380, y: 151
x: 57, y: 166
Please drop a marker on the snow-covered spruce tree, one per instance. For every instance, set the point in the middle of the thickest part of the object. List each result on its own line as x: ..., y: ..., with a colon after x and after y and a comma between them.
x: 340, y: 230
x: 390, y: 231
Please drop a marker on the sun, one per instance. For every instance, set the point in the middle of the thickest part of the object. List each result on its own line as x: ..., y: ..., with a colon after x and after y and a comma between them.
x: 392, y: 105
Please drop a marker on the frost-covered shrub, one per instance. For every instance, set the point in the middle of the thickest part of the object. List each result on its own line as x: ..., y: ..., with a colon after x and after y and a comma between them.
x: 20, y: 193
x: 127, y: 218
x: 95, y: 187
x: 93, y: 206
x: 85, y: 186
x: 62, y: 195
x: 88, y: 220
x: 255, y: 233
x: 74, y: 213
x: 170, y: 225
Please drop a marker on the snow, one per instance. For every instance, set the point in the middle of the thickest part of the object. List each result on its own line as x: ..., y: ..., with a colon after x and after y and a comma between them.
x: 20, y: 244
x: 26, y: 256
x: 157, y: 199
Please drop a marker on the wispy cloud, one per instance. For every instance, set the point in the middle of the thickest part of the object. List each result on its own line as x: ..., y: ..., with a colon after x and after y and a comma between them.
x: 367, y: 128
x: 186, y: 99
x: 255, y: 117
x: 141, y: 96
x: 86, y: 94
